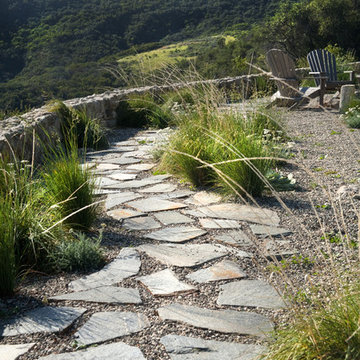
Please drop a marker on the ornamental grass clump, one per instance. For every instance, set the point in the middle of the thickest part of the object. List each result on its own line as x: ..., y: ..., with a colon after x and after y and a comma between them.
x: 326, y: 331
x: 225, y: 150
x: 88, y: 131
x: 70, y: 187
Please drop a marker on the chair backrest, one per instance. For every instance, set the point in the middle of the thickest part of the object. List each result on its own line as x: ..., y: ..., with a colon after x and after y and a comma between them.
x: 282, y: 67
x: 321, y: 60
x: 281, y: 64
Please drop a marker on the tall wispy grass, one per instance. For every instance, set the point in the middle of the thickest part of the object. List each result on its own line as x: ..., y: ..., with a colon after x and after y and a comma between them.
x: 70, y: 187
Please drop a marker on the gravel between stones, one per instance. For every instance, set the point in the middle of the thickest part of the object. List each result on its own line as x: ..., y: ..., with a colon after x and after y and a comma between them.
x: 321, y: 144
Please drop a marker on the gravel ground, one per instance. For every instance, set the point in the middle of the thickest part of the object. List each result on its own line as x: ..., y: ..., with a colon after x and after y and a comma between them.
x: 327, y: 156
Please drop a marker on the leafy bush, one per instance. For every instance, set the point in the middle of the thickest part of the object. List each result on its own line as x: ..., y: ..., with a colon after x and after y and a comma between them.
x: 143, y: 111
x: 88, y: 132
x: 80, y: 254
x: 327, y: 332
x: 70, y: 187
x: 352, y: 115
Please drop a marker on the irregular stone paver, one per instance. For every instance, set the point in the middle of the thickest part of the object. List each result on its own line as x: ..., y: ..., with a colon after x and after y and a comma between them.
x: 265, y: 231
x: 99, y: 192
x: 12, y: 352
x: 223, y: 270
x: 141, y: 223
x: 120, y: 198
x: 126, y: 148
x: 115, y: 351
x: 204, y: 198
x: 175, y: 195
x: 151, y: 180
x: 165, y: 283
x: 122, y: 176
x: 226, y: 321
x: 189, y: 348
x: 176, y: 234
x: 184, y: 255
x: 219, y: 224
x: 120, y: 214
x: 277, y: 249
x: 46, y: 319
x: 140, y: 167
x: 104, y: 326
x: 172, y: 217
x: 105, y: 167
x: 236, y: 237
x: 104, y: 294
x: 125, y: 265
x: 159, y: 188
x: 121, y: 160
x: 155, y: 204
x: 105, y: 182
x: 238, y: 212
x: 255, y: 293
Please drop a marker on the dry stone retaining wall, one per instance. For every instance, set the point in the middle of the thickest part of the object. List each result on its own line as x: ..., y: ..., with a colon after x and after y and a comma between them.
x: 17, y: 133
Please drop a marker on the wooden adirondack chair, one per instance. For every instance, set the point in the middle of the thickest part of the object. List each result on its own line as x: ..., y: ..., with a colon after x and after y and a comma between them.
x: 282, y: 68
x: 323, y: 68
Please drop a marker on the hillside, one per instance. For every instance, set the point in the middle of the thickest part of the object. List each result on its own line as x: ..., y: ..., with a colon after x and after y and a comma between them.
x: 57, y: 48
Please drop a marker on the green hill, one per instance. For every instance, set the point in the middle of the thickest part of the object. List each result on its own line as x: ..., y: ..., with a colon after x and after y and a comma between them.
x: 57, y: 48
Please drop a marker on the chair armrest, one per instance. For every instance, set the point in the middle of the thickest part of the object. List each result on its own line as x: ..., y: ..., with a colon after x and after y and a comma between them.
x: 319, y: 74
x: 352, y: 74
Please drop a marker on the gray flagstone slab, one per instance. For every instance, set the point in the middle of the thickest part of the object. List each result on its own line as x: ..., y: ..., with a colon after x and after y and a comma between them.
x: 176, y: 234
x: 219, y: 224
x: 226, y: 321
x: 46, y: 319
x: 187, y: 255
x: 223, y: 270
x: 141, y: 223
x: 255, y: 293
x: 238, y: 212
x: 120, y: 198
x: 278, y: 249
x: 104, y: 294
x: 236, y: 237
x: 141, y: 167
x: 159, y: 188
x: 99, y: 192
x: 265, y: 231
x: 121, y: 160
x: 189, y: 348
x: 155, y: 204
x: 105, y: 182
x: 126, y: 264
x: 204, y: 198
x: 122, y: 176
x: 105, y: 326
x: 165, y: 283
x: 120, y: 214
x: 12, y: 352
x: 172, y: 217
x: 175, y: 195
x: 104, y: 167
x: 114, y: 351
x: 151, y: 180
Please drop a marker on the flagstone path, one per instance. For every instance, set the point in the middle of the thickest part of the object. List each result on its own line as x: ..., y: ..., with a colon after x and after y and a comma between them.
x: 180, y: 229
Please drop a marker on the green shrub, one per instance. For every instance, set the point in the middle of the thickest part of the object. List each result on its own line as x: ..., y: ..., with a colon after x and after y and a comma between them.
x: 80, y: 254
x: 88, y: 132
x: 326, y: 332
x: 352, y: 115
x: 70, y: 187
x: 140, y: 111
